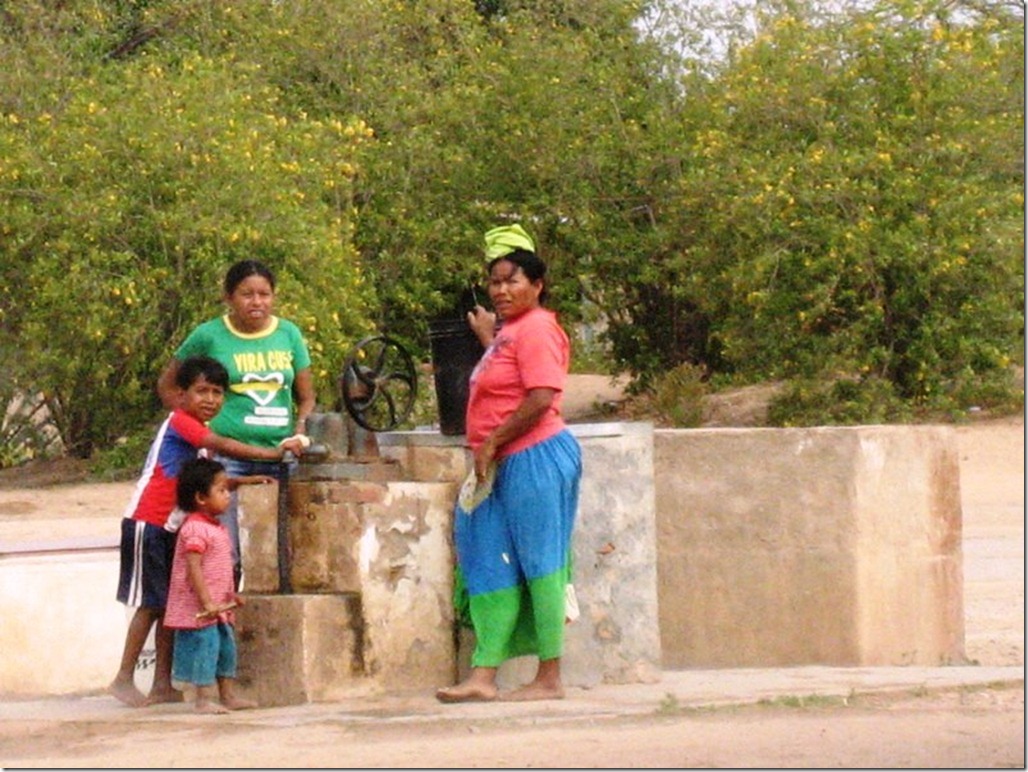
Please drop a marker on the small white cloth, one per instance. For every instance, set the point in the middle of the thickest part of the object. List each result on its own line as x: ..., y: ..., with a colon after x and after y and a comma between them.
x: 473, y: 492
x: 571, y: 611
x: 175, y: 520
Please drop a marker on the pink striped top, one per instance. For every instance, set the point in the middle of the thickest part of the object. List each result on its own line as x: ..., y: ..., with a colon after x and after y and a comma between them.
x: 205, y: 535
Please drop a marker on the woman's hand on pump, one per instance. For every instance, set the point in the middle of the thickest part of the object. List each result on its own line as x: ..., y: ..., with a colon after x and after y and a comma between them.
x: 483, y: 324
x: 296, y: 445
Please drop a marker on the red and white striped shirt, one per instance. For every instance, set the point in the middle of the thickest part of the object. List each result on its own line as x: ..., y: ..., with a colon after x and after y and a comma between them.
x: 205, y: 535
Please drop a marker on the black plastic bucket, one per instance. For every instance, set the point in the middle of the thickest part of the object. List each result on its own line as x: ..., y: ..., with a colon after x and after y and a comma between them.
x: 455, y: 352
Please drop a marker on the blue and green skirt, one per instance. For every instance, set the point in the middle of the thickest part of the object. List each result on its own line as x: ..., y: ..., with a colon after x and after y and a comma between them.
x: 514, y: 554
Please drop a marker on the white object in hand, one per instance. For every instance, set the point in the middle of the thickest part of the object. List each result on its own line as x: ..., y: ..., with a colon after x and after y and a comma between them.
x: 305, y: 441
x: 473, y: 492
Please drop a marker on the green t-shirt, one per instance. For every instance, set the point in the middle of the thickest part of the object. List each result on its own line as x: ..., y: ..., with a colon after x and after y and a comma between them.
x: 261, y: 369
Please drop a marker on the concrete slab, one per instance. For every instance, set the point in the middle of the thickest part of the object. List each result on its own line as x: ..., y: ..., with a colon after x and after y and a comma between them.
x: 678, y: 689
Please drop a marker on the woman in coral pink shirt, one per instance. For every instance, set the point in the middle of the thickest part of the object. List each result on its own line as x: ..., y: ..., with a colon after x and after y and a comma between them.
x: 514, y: 547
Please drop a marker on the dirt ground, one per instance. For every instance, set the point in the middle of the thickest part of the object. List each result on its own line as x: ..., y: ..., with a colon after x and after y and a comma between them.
x: 960, y: 728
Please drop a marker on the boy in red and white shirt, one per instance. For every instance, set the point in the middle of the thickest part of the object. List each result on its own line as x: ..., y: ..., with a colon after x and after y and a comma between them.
x: 148, y: 526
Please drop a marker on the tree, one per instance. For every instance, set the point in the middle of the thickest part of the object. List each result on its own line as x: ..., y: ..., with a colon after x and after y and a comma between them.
x: 849, y: 203
x: 129, y: 190
x: 796, y: 189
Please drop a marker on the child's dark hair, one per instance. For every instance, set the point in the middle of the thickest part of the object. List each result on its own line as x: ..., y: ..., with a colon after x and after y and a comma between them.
x: 245, y: 269
x: 195, y: 478
x: 191, y: 368
x: 530, y: 264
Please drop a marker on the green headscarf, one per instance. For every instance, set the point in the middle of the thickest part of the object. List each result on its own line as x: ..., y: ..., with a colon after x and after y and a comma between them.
x: 505, y: 239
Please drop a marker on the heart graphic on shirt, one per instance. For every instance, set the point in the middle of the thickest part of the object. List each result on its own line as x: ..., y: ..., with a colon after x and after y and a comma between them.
x: 263, y: 388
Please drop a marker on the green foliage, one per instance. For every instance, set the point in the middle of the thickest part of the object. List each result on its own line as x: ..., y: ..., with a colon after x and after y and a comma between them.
x: 847, y: 199
x: 828, y: 193
x: 677, y: 396
x: 520, y: 117
x: 669, y: 705
x: 840, y: 402
x: 128, y: 199
x: 803, y: 702
x: 122, y: 459
x: 874, y: 400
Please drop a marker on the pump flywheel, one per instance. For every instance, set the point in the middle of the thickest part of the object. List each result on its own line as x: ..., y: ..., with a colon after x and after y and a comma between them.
x: 379, y: 383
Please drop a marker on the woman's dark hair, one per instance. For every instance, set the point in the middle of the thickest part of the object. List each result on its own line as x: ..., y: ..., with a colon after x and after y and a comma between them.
x: 245, y: 269
x: 192, y: 368
x: 196, y: 477
x: 530, y: 264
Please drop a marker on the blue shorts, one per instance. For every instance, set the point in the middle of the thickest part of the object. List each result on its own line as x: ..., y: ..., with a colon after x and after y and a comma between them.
x: 205, y: 654
x: 146, y: 554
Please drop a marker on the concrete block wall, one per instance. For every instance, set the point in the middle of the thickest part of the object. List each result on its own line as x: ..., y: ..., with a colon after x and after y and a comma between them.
x: 616, y: 639
x: 295, y: 649
x: 406, y: 572
x: 325, y: 531
x: 258, y: 537
x: 831, y: 545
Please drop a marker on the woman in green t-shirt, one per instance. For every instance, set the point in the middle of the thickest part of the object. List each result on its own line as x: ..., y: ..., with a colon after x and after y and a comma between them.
x: 271, y: 388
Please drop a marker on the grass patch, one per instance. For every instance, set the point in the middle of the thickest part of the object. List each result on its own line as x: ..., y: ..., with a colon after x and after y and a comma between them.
x: 803, y: 702
x: 669, y: 704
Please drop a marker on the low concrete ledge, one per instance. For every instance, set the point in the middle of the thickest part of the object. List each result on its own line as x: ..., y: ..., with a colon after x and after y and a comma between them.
x: 61, y: 628
x: 59, y: 546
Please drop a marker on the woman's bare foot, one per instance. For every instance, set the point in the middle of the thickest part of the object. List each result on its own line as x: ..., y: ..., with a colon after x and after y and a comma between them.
x: 467, y: 691
x: 127, y: 693
x: 238, y: 703
x: 159, y: 696
x: 209, y: 707
x: 535, y: 691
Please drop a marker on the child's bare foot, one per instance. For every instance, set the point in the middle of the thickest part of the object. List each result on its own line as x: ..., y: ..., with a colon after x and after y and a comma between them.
x: 209, y: 707
x: 127, y: 693
x: 238, y: 703
x: 158, y: 696
x: 534, y: 691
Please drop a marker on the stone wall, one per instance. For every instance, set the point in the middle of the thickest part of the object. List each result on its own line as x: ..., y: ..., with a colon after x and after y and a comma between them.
x: 369, y: 606
x: 693, y: 548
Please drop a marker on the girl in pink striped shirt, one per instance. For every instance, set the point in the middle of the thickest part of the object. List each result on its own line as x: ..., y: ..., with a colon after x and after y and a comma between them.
x: 201, y: 594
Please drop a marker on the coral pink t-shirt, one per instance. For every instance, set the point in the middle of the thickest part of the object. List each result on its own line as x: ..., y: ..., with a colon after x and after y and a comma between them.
x: 530, y: 351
